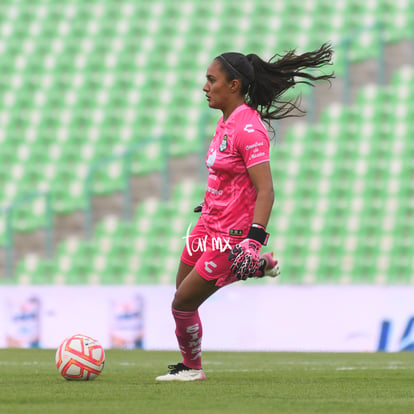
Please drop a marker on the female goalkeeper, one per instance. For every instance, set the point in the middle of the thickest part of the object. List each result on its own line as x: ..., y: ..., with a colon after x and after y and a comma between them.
x: 239, y: 196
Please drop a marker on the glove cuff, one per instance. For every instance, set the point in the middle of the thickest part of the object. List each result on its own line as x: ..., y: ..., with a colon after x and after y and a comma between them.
x: 258, y: 232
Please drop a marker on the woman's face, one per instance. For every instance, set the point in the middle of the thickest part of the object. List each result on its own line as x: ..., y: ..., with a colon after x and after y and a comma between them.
x: 217, y: 88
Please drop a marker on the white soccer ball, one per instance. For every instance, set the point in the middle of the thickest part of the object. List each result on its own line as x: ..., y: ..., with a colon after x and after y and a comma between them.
x: 80, y: 358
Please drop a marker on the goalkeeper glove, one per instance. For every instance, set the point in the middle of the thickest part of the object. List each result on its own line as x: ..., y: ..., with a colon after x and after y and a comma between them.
x: 199, y: 208
x: 245, y: 255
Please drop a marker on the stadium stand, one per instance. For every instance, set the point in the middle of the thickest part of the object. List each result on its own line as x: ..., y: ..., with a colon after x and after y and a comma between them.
x: 346, y: 195
x: 83, y: 81
x: 344, y: 206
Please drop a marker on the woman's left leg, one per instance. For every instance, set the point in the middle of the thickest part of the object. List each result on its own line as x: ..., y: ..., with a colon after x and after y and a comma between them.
x: 191, y: 292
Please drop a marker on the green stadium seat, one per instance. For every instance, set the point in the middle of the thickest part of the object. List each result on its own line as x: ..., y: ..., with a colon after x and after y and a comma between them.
x: 34, y: 270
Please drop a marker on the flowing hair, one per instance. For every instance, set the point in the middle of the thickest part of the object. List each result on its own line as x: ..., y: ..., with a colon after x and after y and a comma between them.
x: 265, y: 82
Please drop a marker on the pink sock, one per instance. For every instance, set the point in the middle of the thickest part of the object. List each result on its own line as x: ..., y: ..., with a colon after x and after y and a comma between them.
x: 189, y: 333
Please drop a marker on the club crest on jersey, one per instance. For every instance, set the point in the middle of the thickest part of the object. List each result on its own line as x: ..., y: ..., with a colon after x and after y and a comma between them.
x: 223, y: 144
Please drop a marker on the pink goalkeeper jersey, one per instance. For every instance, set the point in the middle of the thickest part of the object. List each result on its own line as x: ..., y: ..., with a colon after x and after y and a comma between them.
x: 238, y: 144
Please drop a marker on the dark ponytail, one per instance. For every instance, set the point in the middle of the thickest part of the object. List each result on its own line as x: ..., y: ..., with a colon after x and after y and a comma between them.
x: 264, y: 83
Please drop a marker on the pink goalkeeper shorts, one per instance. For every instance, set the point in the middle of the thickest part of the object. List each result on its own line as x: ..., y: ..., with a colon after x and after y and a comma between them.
x: 209, y: 255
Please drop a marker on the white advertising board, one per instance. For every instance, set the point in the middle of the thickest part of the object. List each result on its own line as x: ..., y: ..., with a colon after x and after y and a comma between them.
x: 239, y: 317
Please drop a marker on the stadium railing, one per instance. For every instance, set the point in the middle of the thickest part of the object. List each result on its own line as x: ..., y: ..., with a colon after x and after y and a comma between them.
x: 126, y: 158
x: 9, y: 211
x: 343, y: 61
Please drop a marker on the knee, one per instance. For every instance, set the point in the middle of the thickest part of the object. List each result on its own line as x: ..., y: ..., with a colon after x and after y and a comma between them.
x: 183, y: 304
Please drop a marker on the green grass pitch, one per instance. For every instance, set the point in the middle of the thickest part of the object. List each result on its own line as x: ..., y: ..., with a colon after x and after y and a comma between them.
x: 237, y: 383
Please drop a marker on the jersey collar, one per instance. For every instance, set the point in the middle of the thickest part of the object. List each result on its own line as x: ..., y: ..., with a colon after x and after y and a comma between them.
x: 240, y: 108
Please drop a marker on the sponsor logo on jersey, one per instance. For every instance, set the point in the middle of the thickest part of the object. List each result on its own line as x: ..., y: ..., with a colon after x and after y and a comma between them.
x: 211, y: 158
x: 249, y: 128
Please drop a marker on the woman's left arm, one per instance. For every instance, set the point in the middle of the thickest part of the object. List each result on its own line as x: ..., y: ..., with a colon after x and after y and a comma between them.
x: 245, y: 255
x: 261, y: 177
